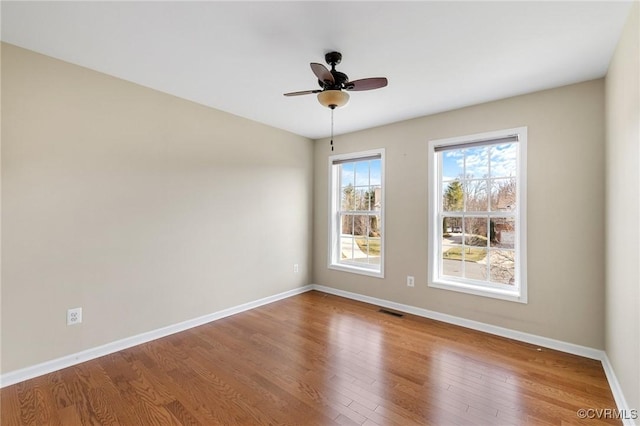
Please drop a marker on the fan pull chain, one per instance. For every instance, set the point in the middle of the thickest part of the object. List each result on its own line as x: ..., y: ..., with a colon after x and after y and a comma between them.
x: 332, y: 129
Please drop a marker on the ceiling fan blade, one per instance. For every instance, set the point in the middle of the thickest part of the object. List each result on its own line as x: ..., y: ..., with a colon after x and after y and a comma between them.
x: 366, y: 84
x: 322, y: 72
x: 304, y: 92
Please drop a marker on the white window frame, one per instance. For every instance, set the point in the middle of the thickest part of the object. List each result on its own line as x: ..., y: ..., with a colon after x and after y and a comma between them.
x: 334, y: 261
x: 515, y: 293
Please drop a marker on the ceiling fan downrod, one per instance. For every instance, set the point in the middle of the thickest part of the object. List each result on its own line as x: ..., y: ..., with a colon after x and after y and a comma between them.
x: 332, y: 109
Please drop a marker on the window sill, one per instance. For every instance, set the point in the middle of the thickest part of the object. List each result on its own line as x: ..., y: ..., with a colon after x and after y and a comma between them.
x: 494, y: 293
x: 356, y: 270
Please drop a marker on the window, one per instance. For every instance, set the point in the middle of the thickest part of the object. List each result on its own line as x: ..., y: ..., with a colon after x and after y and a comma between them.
x: 356, y: 187
x: 477, y: 214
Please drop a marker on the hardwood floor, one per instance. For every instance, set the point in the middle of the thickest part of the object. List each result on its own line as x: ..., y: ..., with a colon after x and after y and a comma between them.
x: 318, y: 359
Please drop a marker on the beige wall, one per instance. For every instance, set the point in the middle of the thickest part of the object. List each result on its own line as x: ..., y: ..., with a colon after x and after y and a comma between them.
x: 623, y: 213
x: 142, y: 208
x: 565, y: 212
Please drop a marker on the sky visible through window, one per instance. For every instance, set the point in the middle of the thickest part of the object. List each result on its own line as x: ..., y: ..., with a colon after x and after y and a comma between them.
x: 362, y: 173
x: 501, y: 157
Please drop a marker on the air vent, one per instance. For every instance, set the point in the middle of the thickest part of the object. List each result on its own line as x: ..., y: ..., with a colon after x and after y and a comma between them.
x: 388, y: 312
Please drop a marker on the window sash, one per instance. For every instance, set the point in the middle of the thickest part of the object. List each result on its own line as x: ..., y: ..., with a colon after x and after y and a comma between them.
x: 370, y: 265
x: 489, y: 285
x: 464, y: 213
x: 488, y: 248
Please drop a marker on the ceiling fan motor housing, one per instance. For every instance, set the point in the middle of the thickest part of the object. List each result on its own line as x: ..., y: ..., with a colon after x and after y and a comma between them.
x: 333, y: 58
x: 339, y: 78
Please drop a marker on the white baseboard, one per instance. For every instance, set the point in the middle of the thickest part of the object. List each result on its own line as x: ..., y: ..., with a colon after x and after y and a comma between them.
x: 474, y: 325
x: 27, y: 373
x: 621, y: 402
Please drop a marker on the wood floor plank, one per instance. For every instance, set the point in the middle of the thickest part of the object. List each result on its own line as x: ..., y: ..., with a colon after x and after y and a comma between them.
x: 181, y: 413
x: 318, y: 359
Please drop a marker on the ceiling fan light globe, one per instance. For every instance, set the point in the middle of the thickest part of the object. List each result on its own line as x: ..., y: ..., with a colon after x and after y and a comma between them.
x: 333, y: 98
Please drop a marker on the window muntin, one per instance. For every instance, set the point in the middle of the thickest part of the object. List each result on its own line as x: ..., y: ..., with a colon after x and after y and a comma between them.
x: 476, y: 214
x: 356, y: 223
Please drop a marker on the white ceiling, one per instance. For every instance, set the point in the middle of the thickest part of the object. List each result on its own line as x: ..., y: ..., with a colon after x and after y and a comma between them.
x: 240, y: 57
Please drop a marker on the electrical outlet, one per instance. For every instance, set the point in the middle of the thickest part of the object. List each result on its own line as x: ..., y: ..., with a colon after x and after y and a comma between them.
x: 295, y: 268
x: 74, y: 316
x: 410, y: 281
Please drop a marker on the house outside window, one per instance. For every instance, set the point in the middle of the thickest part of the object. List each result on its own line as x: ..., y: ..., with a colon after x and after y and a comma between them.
x: 477, y: 214
x: 356, y: 223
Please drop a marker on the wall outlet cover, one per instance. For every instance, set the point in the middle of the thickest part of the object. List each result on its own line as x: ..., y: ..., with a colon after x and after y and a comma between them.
x: 74, y: 316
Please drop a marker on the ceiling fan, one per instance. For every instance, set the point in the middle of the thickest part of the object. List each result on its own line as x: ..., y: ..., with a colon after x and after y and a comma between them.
x: 332, y: 83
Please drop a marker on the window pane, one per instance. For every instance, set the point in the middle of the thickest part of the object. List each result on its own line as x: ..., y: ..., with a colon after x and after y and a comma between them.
x: 452, y: 261
x: 376, y: 198
x: 503, y: 160
x: 374, y: 226
x: 360, y: 225
x: 502, y: 265
x: 452, y: 196
x: 368, y: 198
x: 365, y: 199
x: 347, y: 225
x: 476, y: 162
x: 452, y: 164
x: 360, y: 251
x: 477, y: 196
x: 452, y: 230
x: 346, y: 248
x: 346, y: 175
x: 362, y: 173
x: 502, y: 232
x: 348, y: 201
x: 376, y: 172
x: 375, y: 246
x: 367, y: 250
x: 475, y: 263
x: 503, y: 194
x: 453, y: 252
x: 361, y: 198
x: 475, y: 231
